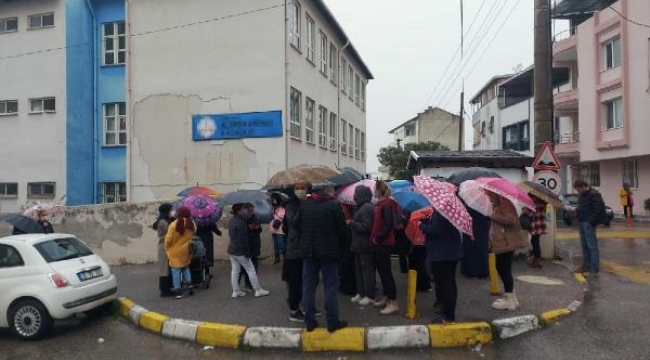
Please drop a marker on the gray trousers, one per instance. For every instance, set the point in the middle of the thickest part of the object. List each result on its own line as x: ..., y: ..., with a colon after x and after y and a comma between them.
x: 365, y: 269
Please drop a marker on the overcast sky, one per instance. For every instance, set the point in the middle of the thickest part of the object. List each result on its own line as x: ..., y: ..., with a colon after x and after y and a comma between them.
x: 408, y: 44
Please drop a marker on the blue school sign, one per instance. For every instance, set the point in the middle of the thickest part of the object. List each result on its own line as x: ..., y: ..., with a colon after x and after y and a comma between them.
x: 237, y: 126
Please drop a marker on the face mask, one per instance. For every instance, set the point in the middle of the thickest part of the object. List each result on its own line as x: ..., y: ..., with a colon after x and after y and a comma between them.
x: 301, y: 194
x: 172, y: 213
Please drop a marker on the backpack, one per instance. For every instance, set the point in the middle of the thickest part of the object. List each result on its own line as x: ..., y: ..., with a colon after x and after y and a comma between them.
x: 196, y: 247
x: 525, y: 221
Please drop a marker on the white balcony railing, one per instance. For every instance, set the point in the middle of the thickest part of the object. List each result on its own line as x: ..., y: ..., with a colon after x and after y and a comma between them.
x: 568, y: 137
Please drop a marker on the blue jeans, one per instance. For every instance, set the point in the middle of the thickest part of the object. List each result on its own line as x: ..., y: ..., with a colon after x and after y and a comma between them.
x: 279, y: 245
x: 176, y: 277
x: 590, y: 252
x: 330, y: 270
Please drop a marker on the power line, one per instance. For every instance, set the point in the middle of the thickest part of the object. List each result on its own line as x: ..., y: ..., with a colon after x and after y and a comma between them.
x: 627, y: 19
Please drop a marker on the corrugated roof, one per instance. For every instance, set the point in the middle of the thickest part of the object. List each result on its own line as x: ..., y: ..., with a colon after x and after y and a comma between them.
x: 482, y: 158
x: 569, y: 9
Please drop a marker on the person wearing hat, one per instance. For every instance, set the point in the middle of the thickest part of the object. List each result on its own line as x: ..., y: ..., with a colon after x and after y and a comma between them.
x: 161, y: 225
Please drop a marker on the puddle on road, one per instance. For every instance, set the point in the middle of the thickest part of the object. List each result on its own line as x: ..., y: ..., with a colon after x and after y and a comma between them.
x: 540, y: 280
x: 636, y: 274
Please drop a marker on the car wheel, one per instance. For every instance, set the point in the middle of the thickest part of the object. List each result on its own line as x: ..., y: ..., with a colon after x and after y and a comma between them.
x: 30, y: 320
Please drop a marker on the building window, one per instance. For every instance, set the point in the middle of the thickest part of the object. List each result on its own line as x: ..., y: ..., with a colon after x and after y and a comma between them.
x: 114, y: 124
x: 114, y: 43
x: 310, y: 39
x: 10, y: 257
x: 9, y: 107
x: 491, y: 126
x: 41, y: 189
x: 351, y: 140
x: 612, y: 53
x: 357, y: 143
x: 294, y: 113
x: 8, y: 25
x: 409, y: 130
x: 483, y: 129
x: 630, y: 173
x: 363, y: 95
x: 350, y: 83
x: 363, y: 146
x: 344, y: 75
x: 309, y: 121
x: 333, y: 63
x: 323, y: 53
x: 614, y: 114
x: 517, y: 136
x: 333, y: 128
x: 8, y: 190
x: 344, y: 137
x: 113, y: 192
x: 40, y: 21
x: 590, y: 173
x: 357, y: 89
x: 37, y: 106
x: 322, y: 127
x: 294, y: 24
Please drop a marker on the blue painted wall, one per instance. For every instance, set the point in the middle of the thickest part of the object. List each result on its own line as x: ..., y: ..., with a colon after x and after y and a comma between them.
x: 89, y: 163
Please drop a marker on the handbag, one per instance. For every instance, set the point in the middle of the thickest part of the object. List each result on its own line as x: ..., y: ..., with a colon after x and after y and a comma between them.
x: 525, y: 221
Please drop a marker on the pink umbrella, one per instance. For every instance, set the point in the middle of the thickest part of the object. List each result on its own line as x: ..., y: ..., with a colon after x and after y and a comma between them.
x: 445, y: 201
x: 508, y: 190
x: 346, y: 194
x: 47, y: 209
x: 475, y: 197
x: 204, y: 210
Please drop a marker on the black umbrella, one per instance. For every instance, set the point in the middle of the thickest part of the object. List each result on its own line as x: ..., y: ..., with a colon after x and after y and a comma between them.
x: 347, y: 176
x: 471, y: 173
x: 23, y: 223
x: 541, y: 192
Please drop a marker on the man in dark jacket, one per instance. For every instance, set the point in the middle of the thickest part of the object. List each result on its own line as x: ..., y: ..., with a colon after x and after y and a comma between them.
x: 240, y: 252
x: 590, y: 213
x: 362, y: 246
x: 292, y: 265
x: 323, y: 235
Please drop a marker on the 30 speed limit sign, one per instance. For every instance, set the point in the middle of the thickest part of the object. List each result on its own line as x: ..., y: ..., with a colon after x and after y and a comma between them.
x: 549, y: 179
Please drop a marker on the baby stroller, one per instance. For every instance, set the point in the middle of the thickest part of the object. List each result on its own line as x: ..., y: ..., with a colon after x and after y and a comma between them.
x: 199, y: 267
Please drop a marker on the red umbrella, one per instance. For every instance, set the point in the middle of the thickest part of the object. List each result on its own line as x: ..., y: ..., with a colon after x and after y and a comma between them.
x: 445, y: 201
x: 508, y: 190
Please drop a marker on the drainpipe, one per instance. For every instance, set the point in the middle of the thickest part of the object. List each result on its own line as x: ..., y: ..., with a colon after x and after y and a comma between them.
x: 338, y: 106
x: 129, y: 117
x: 95, y: 97
x: 287, y: 121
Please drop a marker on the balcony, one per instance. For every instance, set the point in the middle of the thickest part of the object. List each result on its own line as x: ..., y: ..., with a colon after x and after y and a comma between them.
x: 567, y: 144
x: 566, y: 102
x: 565, y: 46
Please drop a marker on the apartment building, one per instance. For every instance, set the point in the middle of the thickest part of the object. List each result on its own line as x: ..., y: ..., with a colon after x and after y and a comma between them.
x: 433, y: 124
x: 485, y: 115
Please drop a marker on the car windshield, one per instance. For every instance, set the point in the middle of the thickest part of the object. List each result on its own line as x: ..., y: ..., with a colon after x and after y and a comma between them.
x: 62, y: 249
x: 571, y: 199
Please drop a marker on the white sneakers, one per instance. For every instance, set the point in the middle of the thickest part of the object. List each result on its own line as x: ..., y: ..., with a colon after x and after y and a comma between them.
x: 390, y: 309
x: 356, y: 298
x: 509, y: 302
x: 381, y: 302
x: 258, y: 293
x: 261, y: 292
x: 365, y: 301
x: 238, y: 293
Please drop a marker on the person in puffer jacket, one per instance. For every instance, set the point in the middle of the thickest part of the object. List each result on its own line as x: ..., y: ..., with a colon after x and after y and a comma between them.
x: 383, y: 234
x: 362, y: 246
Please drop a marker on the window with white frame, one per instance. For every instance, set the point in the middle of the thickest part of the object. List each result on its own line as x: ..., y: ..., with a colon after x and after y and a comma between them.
x: 42, y: 105
x: 344, y: 137
x: 41, y: 189
x: 8, y: 107
x: 39, y: 21
x: 323, y: 53
x: 631, y: 173
x: 333, y: 128
x: 357, y: 143
x: 350, y: 82
x: 114, y: 43
x: 310, y: 39
x: 363, y: 146
x: 8, y: 190
x: 333, y: 63
x: 357, y: 89
x: 363, y: 95
x: 409, y: 130
x: 294, y: 23
x: 344, y: 75
x: 294, y: 113
x: 591, y: 173
x: 115, y: 124
x: 612, y: 53
x: 613, y: 114
x: 113, y: 192
x: 309, y: 120
x: 350, y: 140
x: 8, y: 25
x: 322, y: 127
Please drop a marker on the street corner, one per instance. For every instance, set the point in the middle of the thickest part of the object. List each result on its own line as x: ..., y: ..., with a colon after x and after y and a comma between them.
x: 398, y: 337
x: 463, y: 334
x: 347, y: 339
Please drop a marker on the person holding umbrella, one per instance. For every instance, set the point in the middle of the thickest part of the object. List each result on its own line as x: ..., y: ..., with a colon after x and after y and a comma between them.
x: 362, y: 247
x: 254, y: 243
x: 383, y: 235
x: 292, y: 265
x: 177, y: 241
x: 278, y: 226
x: 537, y: 229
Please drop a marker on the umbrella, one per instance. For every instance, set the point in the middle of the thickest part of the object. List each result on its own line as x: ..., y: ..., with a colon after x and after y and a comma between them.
x: 199, y: 190
x: 23, y: 223
x: 507, y: 189
x: 205, y: 210
x: 541, y: 192
x: 244, y: 196
x: 445, y: 202
x: 412, y: 230
x: 315, y: 174
x: 471, y: 173
x: 346, y: 194
x: 47, y: 209
x: 475, y: 197
x: 263, y: 211
x: 400, y: 185
x: 411, y: 201
x: 346, y: 177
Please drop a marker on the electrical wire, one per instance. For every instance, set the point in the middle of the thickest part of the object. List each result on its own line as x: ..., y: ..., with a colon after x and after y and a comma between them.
x: 628, y: 19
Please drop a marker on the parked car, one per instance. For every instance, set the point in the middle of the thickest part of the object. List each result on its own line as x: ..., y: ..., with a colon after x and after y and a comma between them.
x: 45, y: 277
x: 570, y: 204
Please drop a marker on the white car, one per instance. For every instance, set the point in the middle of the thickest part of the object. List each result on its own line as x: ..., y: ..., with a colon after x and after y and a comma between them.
x: 49, y: 276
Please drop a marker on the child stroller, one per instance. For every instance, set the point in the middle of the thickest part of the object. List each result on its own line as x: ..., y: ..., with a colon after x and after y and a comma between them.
x: 199, y: 267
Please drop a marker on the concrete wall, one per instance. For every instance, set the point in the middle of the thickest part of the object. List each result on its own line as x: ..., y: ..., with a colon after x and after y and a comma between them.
x: 36, y: 142
x: 515, y: 175
x: 439, y: 125
x: 516, y: 113
x: 488, y: 140
x: 611, y: 179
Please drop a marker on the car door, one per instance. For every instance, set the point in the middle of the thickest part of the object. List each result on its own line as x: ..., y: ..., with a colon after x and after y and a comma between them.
x: 12, y: 275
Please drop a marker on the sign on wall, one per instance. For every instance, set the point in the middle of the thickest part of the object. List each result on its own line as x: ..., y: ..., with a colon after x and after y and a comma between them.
x: 237, y: 126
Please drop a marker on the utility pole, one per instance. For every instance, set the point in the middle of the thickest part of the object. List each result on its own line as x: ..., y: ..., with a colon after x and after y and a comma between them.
x: 543, y: 86
x: 461, y: 120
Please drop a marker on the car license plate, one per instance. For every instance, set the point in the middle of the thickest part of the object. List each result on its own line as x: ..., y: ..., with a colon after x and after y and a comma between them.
x: 90, y: 274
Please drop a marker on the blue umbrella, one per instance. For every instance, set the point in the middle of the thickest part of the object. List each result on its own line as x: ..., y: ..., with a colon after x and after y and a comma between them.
x: 401, y: 185
x: 410, y: 201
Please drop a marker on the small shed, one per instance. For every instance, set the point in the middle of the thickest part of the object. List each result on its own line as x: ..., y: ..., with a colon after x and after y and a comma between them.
x: 509, y: 164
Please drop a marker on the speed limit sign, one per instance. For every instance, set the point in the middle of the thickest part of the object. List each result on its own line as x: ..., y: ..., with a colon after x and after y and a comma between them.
x: 549, y: 179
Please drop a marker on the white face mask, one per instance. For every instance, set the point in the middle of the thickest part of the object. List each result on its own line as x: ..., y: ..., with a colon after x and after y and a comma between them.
x: 301, y: 194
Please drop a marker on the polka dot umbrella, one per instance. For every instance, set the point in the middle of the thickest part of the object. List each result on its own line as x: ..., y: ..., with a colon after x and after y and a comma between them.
x: 445, y: 201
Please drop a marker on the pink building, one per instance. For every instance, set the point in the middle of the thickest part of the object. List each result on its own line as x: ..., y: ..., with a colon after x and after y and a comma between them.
x: 602, y: 121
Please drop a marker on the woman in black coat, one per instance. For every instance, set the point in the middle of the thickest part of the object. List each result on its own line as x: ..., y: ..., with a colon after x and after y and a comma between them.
x: 475, y: 261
